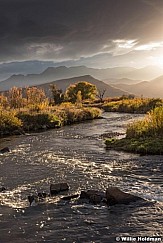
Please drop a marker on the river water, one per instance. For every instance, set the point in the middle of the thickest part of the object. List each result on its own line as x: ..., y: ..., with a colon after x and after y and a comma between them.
x: 76, y: 154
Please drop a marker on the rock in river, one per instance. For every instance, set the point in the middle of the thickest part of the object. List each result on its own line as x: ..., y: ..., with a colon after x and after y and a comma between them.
x: 58, y: 187
x: 2, y: 189
x: 115, y: 196
x: 4, y: 150
x: 93, y: 196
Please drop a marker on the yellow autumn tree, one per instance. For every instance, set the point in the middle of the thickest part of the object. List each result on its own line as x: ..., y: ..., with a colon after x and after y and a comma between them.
x: 36, y: 98
x: 87, y: 91
x: 15, y: 97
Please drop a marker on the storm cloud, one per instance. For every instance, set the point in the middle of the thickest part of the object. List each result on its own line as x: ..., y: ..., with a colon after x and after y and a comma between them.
x: 70, y: 29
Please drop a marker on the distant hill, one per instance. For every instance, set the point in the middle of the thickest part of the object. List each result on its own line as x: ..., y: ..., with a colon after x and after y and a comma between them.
x: 26, y: 67
x: 110, y: 75
x: 56, y: 73
x: 153, y: 88
x: 63, y: 84
x: 146, y: 73
x: 122, y: 81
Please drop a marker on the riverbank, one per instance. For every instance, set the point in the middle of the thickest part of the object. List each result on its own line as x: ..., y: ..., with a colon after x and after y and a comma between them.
x: 144, y: 136
x: 15, y: 122
x: 136, y: 105
x: 151, y: 146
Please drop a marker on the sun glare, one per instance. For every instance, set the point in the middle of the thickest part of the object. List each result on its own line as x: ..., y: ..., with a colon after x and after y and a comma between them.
x: 159, y: 61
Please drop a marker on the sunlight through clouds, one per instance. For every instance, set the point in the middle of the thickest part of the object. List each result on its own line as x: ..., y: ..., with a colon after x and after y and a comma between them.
x: 150, y: 46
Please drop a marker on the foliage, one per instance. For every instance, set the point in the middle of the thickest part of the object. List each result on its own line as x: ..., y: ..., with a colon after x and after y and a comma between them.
x: 29, y: 109
x: 144, y: 137
x: 136, y: 105
x: 58, y: 95
x: 88, y: 91
x: 35, y: 96
x: 8, y: 122
x: 72, y: 114
x: 100, y: 94
x: 36, y: 121
x: 3, y: 101
x: 150, y: 126
x: 141, y: 146
x: 15, y: 97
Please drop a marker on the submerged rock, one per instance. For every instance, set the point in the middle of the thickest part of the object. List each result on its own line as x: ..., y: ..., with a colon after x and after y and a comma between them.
x: 42, y: 195
x: 33, y: 200
x: 93, y: 196
x: 4, y: 150
x: 115, y: 196
x: 2, y: 189
x: 58, y: 187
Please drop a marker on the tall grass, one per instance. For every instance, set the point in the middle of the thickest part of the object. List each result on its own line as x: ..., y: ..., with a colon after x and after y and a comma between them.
x: 150, y: 126
x: 9, y: 122
x: 136, y: 105
x: 28, y: 119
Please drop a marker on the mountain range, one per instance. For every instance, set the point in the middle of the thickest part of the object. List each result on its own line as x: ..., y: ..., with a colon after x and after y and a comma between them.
x: 101, y: 86
x: 153, y: 88
x: 118, y: 79
x: 109, y: 75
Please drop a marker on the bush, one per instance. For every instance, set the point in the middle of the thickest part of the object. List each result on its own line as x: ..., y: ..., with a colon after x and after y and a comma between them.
x: 150, y: 126
x: 9, y: 122
x: 37, y: 121
x: 73, y: 114
x: 136, y: 105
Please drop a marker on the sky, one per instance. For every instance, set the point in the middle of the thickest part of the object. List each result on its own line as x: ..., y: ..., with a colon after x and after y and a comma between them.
x: 97, y: 33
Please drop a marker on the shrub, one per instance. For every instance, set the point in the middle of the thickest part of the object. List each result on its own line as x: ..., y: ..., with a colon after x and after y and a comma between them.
x: 37, y: 121
x: 150, y: 126
x: 136, y: 105
x: 9, y: 122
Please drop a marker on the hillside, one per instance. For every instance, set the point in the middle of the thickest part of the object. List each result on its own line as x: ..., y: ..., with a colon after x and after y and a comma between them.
x: 121, y: 81
x: 152, y: 89
x: 146, y: 73
x: 110, y: 75
x: 62, y: 72
x: 64, y: 83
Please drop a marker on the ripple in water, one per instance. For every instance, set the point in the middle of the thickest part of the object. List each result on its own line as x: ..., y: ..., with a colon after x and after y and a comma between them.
x: 76, y: 154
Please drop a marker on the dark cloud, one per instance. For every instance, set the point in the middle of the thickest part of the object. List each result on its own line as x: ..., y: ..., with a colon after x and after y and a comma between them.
x: 65, y: 29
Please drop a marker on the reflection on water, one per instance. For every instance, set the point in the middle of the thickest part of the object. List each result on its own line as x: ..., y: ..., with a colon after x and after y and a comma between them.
x: 76, y: 154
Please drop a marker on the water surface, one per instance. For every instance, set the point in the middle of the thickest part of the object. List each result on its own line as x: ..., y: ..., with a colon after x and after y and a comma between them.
x: 76, y: 154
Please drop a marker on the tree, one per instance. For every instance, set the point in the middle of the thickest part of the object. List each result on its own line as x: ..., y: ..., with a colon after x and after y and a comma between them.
x: 58, y: 95
x: 100, y: 94
x: 79, y: 99
x: 15, y: 97
x: 3, y: 101
x: 88, y: 91
x: 35, y: 96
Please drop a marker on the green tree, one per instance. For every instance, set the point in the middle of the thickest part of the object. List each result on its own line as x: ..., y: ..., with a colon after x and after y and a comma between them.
x: 87, y: 91
x: 58, y: 95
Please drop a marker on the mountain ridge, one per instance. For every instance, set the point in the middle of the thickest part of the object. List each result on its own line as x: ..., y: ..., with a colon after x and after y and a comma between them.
x: 151, y: 89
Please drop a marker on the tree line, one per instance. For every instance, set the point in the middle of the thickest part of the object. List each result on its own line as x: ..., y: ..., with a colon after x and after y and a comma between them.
x: 33, y: 96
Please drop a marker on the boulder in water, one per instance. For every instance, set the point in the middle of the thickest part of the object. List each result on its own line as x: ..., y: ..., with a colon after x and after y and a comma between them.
x: 93, y: 196
x: 33, y: 200
x: 42, y: 195
x: 2, y: 189
x: 4, y: 150
x: 115, y: 196
x: 58, y: 187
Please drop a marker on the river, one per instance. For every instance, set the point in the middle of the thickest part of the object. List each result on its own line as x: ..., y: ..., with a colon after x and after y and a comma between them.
x: 76, y: 154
